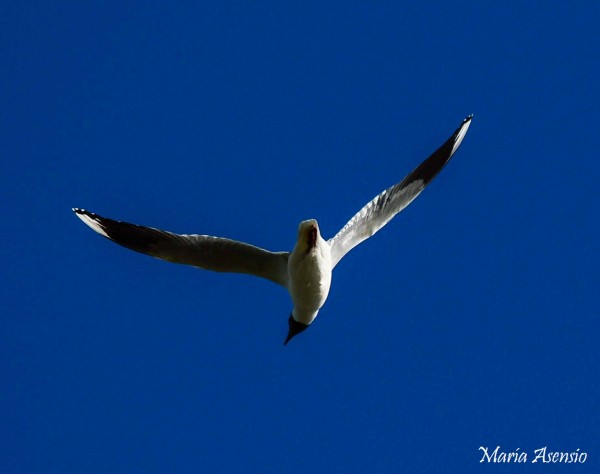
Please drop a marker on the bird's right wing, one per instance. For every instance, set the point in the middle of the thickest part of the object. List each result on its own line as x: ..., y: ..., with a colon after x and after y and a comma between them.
x: 203, y: 251
x: 379, y: 211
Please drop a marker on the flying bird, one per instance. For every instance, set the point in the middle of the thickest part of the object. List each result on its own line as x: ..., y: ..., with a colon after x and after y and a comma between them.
x: 305, y: 271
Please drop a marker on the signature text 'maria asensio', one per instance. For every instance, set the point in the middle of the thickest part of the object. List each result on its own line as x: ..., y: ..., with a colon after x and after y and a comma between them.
x: 542, y: 455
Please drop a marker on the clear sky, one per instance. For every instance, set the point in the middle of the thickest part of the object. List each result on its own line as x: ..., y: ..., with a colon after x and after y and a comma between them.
x: 471, y: 320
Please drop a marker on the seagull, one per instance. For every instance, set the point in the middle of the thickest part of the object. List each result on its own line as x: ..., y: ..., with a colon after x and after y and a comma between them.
x: 305, y: 271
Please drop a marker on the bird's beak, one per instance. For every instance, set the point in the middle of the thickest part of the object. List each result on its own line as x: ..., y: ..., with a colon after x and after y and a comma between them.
x: 312, y: 237
x: 294, y: 328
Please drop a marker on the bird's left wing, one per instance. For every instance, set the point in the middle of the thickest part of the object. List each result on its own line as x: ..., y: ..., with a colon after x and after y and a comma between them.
x: 203, y: 251
x: 390, y: 202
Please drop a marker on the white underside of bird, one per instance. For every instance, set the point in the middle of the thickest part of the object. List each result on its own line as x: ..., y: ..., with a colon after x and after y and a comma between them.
x: 306, y: 271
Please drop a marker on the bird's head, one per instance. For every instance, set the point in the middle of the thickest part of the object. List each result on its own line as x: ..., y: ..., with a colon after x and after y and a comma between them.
x: 308, y: 234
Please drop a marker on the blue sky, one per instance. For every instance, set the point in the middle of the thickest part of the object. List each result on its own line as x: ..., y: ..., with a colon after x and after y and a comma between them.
x: 471, y: 320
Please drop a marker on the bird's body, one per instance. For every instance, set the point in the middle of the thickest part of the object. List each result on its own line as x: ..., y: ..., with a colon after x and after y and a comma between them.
x: 306, y: 271
x: 309, y: 273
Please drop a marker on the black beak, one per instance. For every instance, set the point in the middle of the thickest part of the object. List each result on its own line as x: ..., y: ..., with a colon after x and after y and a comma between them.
x: 312, y: 238
x: 295, y: 328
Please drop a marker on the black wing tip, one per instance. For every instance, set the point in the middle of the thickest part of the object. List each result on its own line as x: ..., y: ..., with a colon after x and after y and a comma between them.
x: 430, y: 168
x: 466, y: 121
x: 461, y: 130
x: 79, y: 212
x: 131, y: 236
x: 82, y: 212
x: 92, y: 215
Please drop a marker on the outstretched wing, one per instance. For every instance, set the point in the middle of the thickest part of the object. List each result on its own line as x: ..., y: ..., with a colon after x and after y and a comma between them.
x: 203, y: 251
x: 390, y: 202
